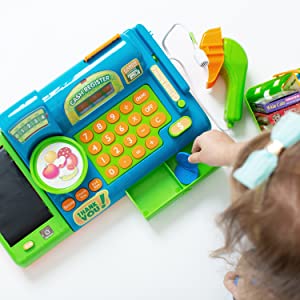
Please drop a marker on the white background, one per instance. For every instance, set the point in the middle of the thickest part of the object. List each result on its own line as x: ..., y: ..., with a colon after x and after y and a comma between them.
x: 120, y: 255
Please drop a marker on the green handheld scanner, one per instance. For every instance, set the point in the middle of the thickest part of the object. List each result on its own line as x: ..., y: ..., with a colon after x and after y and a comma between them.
x: 227, y: 57
x: 234, y: 72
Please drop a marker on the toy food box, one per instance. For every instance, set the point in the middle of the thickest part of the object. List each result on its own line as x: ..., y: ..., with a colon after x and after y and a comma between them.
x: 110, y: 126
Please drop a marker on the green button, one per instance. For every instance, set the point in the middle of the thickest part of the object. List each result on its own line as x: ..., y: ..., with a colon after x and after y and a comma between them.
x: 180, y: 126
x: 181, y: 103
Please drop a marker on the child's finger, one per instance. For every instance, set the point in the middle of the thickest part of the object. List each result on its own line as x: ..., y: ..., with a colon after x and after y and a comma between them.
x: 195, y: 157
x: 230, y: 285
x: 196, y: 146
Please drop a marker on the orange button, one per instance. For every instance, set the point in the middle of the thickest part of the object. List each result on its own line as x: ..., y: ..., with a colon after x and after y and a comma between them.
x: 152, y: 142
x: 112, y: 171
x: 99, y: 126
x: 134, y: 119
x: 125, y: 161
x: 86, y: 136
x: 108, y: 138
x: 158, y: 120
x: 121, y: 128
x: 143, y: 130
x: 113, y: 117
x: 116, y: 150
x: 95, y: 185
x: 68, y: 204
x: 82, y: 195
x: 94, y: 148
x: 138, y: 151
x: 141, y: 96
x: 126, y: 107
x: 149, y: 108
x: 103, y: 159
x: 129, y: 140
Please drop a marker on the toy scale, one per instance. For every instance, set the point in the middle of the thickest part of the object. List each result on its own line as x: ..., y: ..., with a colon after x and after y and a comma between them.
x: 110, y: 126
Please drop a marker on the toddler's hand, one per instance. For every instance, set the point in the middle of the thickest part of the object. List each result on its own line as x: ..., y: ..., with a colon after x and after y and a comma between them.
x: 214, y: 148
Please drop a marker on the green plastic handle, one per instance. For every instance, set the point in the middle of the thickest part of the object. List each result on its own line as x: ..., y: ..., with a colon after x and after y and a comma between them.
x: 234, y: 72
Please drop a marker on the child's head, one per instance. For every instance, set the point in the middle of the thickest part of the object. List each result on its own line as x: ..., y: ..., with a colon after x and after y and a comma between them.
x: 269, y: 217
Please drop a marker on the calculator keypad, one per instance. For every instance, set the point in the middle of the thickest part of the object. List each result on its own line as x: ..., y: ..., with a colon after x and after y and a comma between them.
x: 126, y: 134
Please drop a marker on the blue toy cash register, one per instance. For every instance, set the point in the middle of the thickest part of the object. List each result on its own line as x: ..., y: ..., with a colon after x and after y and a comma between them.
x: 110, y: 126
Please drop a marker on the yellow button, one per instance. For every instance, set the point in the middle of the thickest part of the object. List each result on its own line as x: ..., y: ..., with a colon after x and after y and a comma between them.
x: 180, y: 126
x: 28, y: 245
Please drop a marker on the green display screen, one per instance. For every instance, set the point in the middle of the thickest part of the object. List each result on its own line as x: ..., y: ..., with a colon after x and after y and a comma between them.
x: 30, y: 125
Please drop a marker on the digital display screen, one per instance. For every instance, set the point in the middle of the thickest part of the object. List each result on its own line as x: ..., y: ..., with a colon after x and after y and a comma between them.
x: 21, y: 208
x: 30, y: 125
x: 94, y: 99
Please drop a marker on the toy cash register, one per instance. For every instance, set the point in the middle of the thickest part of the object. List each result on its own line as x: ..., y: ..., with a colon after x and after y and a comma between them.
x: 110, y: 126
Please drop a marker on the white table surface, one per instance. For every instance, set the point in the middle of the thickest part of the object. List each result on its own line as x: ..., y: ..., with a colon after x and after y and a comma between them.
x: 120, y: 255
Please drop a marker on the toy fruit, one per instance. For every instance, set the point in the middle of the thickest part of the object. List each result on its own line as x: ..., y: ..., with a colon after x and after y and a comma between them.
x: 51, y: 171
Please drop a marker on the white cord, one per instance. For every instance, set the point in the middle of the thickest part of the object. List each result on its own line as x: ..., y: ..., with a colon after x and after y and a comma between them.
x: 199, y: 56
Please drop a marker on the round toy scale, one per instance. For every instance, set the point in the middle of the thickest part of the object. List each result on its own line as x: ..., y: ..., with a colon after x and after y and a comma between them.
x: 58, y: 165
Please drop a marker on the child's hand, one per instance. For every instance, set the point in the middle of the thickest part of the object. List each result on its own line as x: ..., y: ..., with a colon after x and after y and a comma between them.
x: 214, y: 148
x: 230, y: 285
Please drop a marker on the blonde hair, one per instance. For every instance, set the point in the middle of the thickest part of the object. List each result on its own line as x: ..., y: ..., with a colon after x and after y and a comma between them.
x: 269, y: 217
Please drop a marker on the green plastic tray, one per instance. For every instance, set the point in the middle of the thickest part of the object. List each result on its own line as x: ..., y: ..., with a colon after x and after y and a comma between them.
x: 161, y: 187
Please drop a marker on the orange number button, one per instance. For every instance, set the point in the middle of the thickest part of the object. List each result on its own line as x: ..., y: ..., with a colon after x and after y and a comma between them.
x: 152, y: 142
x: 113, y: 117
x: 125, y: 161
x: 138, y: 152
x: 129, y: 140
x: 116, y: 150
x: 141, y: 96
x: 126, y: 107
x: 134, y: 119
x: 94, y: 148
x: 149, y: 108
x: 112, y: 171
x: 99, y: 126
x: 82, y: 195
x: 108, y: 138
x: 86, y: 136
x: 158, y: 120
x: 121, y: 128
x: 68, y: 204
x: 103, y: 160
x: 95, y: 185
x: 143, y: 130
